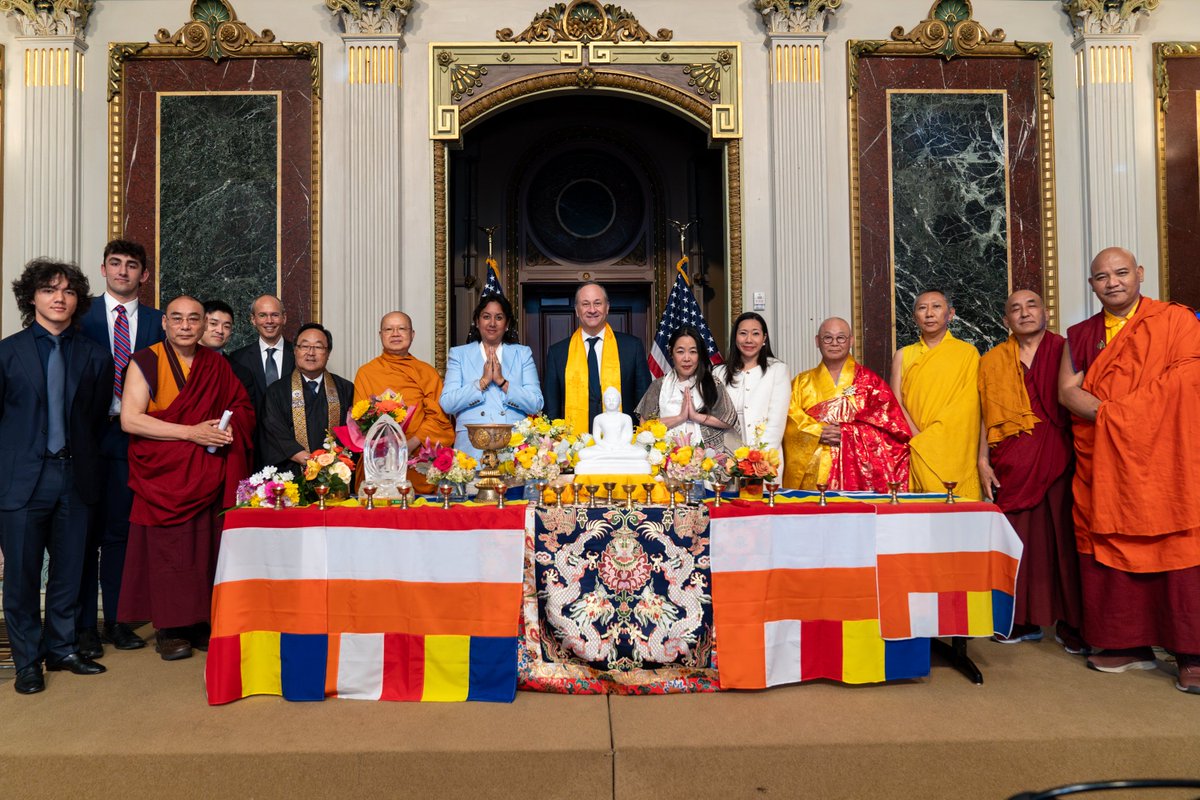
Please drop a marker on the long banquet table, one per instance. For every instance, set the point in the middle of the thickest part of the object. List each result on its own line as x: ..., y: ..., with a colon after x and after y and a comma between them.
x: 467, y: 602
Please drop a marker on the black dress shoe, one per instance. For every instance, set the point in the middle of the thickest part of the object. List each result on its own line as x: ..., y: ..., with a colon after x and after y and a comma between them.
x: 122, y: 637
x: 30, y: 680
x: 87, y: 643
x: 75, y: 663
x: 198, y: 635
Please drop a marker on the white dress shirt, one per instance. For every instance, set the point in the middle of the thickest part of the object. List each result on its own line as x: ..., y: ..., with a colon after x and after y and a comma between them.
x: 110, y: 314
x: 277, y: 355
x: 599, y: 348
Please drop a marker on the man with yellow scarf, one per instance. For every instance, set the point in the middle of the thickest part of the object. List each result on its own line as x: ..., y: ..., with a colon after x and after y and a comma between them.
x: 593, y: 358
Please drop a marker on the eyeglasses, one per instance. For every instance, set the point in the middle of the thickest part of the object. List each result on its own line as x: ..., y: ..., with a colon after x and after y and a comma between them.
x: 311, y: 348
x: 827, y: 339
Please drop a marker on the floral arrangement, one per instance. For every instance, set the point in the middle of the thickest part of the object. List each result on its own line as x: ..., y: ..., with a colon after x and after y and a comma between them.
x: 541, y: 449
x: 330, y: 466
x: 756, y: 461
x: 445, y: 464
x: 694, y: 462
x: 366, y: 412
x: 652, y: 435
x: 258, y: 490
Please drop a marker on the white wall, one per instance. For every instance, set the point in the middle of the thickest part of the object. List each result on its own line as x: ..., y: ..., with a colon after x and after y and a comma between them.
x: 691, y: 20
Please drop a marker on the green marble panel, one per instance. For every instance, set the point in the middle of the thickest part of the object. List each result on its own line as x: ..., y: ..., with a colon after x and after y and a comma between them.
x: 950, y: 223
x: 219, y: 200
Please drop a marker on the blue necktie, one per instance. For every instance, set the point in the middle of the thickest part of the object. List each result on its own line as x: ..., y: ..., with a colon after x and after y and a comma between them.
x: 272, y: 371
x: 56, y: 390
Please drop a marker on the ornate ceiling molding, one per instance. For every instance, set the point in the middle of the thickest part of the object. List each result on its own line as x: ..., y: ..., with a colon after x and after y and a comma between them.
x: 1107, y: 16
x: 797, y: 16
x: 214, y: 31
x: 371, y: 17
x: 585, y: 21
x: 949, y: 30
x: 50, y: 17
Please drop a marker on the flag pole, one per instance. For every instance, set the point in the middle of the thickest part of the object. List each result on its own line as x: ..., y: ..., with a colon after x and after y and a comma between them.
x: 682, y: 229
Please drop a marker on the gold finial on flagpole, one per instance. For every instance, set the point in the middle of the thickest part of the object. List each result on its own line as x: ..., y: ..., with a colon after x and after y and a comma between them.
x: 682, y: 228
x: 491, y: 232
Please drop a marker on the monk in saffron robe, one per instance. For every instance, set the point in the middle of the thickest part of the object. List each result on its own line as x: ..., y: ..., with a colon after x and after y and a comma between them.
x: 937, y: 381
x: 845, y: 428
x: 416, y: 382
x: 1025, y: 464
x: 1130, y: 376
x: 175, y: 393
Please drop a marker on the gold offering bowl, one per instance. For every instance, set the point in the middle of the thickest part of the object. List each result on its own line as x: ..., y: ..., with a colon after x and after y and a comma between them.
x: 489, y: 438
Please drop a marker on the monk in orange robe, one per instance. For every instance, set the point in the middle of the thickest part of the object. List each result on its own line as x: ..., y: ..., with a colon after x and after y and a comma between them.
x: 1131, y: 378
x: 416, y: 382
x: 174, y: 396
x: 1025, y: 461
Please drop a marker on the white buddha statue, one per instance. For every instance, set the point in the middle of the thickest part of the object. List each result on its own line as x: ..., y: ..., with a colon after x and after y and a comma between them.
x: 613, y: 452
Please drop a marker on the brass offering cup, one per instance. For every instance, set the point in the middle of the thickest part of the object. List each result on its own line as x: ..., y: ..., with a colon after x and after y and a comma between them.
x: 592, y: 490
x: 628, y: 487
x: 610, y: 486
x: 369, y: 490
x: 950, y: 490
x: 718, y: 487
x: 648, y: 488
x: 321, y: 491
x: 772, y: 487
x: 277, y: 494
x: 445, y: 490
x: 672, y: 490
x: 687, y: 492
x: 893, y: 493
x: 540, y: 487
x: 489, y: 438
x: 822, y: 488
x: 404, y: 489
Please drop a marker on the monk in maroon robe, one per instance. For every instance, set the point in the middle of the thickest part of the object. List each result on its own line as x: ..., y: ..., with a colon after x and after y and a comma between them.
x: 175, y: 393
x: 1025, y: 462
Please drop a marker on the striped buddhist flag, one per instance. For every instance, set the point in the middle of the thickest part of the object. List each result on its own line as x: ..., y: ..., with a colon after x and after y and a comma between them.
x: 794, y: 598
x: 946, y: 570
x: 386, y: 605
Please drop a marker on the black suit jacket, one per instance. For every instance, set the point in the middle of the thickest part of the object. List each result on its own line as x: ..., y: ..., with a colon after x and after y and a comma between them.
x: 23, y: 417
x: 280, y: 439
x: 250, y: 357
x: 635, y: 375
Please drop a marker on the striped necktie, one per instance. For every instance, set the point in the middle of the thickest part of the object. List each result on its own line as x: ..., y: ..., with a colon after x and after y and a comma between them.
x: 120, y: 349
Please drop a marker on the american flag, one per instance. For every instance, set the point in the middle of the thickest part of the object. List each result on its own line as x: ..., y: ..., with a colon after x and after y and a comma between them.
x: 492, y: 284
x: 682, y: 309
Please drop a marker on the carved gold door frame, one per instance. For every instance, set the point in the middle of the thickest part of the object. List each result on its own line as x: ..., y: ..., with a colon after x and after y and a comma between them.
x: 582, y: 46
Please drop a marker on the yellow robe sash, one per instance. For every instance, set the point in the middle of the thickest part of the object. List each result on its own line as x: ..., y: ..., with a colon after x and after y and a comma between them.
x: 575, y: 400
x: 940, y: 390
x: 808, y: 462
x: 1006, y: 407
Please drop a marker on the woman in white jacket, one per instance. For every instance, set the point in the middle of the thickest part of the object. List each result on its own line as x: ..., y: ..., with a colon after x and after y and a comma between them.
x: 758, y: 384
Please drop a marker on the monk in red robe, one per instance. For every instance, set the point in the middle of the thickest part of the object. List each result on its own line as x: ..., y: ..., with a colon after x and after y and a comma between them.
x: 845, y: 427
x: 418, y: 383
x: 1130, y: 376
x: 1025, y: 461
x: 175, y: 393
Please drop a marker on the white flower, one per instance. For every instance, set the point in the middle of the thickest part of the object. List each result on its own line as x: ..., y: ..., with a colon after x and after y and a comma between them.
x: 341, y: 470
x: 269, y: 472
x: 656, y: 458
x: 286, y: 477
x: 645, y: 437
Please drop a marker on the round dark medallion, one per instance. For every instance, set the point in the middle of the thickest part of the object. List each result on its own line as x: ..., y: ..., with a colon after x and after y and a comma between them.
x: 586, y: 208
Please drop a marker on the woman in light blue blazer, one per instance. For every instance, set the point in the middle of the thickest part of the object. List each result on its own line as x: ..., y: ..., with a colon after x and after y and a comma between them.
x: 492, y: 378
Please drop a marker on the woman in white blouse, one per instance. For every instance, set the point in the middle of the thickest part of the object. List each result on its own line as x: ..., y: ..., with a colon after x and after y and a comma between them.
x: 758, y: 384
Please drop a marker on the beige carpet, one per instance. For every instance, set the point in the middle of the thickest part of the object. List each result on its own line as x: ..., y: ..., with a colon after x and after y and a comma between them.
x: 1041, y: 719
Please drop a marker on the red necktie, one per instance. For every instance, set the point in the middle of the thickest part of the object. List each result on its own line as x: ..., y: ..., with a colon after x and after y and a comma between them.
x: 120, y: 348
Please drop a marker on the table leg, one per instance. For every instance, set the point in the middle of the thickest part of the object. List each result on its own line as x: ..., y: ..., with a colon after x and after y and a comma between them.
x: 956, y: 653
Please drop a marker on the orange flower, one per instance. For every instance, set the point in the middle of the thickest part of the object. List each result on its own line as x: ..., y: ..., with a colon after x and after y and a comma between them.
x: 386, y: 406
x: 755, y: 456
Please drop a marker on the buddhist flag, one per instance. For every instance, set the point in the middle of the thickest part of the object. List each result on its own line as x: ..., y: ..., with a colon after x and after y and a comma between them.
x: 421, y: 604
x: 682, y: 309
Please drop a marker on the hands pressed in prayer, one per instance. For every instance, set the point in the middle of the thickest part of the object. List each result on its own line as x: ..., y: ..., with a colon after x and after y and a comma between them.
x: 686, y: 412
x: 492, y: 372
x: 831, y: 435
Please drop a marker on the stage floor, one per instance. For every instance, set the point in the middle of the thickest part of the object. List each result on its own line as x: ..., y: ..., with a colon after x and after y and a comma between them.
x: 1041, y: 719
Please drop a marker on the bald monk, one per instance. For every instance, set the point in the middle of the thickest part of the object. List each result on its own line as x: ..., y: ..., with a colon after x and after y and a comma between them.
x: 845, y: 428
x: 1130, y: 376
x: 174, y: 395
x: 936, y: 379
x: 1025, y: 468
x: 415, y: 381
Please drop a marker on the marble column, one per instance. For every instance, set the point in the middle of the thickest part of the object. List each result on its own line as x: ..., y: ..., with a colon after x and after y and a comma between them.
x: 52, y: 95
x: 373, y: 209
x: 1104, y: 73
x: 799, y: 156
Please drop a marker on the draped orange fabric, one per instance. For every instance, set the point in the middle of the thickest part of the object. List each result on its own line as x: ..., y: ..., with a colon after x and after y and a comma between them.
x: 1136, y: 505
x: 1006, y: 408
x: 421, y: 387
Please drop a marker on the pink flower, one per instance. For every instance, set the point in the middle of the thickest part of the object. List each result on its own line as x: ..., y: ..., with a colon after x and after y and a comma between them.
x: 444, y: 460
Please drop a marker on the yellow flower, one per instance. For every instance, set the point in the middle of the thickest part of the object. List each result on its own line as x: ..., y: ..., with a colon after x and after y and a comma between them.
x: 559, y: 423
x: 660, y: 447
x: 516, y: 440
x: 542, y: 426
x: 658, y: 429
x: 312, y: 470
x: 682, y: 456
x: 707, y: 464
x: 255, y: 502
x: 741, y: 453
x: 360, y: 408
x: 525, y: 457
x: 465, y: 461
x: 293, y: 493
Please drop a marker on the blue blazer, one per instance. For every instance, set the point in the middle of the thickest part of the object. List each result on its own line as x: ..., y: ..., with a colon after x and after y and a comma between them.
x: 23, y: 416
x: 462, y: 398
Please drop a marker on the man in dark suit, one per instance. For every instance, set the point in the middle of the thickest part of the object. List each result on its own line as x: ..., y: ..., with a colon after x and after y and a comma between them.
x: 578, y: 365
x: 121, y: 325
x: 302, y: 407
x: 55, y: 388
x: 268, y: 359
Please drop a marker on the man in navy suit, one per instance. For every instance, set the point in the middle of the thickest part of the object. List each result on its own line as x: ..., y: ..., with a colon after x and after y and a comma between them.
x: 591, y: 307
x: 268, y: 359
x: 121, y: 325
x: 55, y: 387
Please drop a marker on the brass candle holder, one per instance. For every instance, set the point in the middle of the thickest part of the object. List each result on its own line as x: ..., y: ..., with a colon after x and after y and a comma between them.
x: 771, y: 488
x: 822, y: 488
x: 628, y: 487
x: 592, y: 490
x: 893, y: 493
x: 558, y: 490
x: 672, y: 490
x: 445, y: 490
x: 320, y: 491
x: 950, y: 485
x: 278, y: 492
x: 539, y: 486
x: 718, y: 488
x: 609, y: 486
x: 687, y: 492
x: 648, y: 488
x: 500, y: 499
x: 404, y: 489
x: 489, y: 438
x: 368, y: 489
